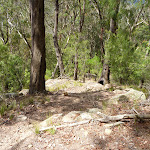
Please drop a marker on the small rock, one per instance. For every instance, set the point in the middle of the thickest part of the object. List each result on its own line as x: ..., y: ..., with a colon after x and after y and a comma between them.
x: 31, y: 126
x: 108, y: 131
x: 21, y: 118
x: 83, y: 134
x: 29, y: 146
x: 77, y: 100
x: 107, y: 86
x: 24, y: 92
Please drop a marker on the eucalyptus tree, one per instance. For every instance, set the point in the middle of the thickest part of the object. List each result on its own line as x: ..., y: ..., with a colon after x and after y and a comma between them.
x: 81, y: 23
x: 55, y: 37
x: 38, y: 63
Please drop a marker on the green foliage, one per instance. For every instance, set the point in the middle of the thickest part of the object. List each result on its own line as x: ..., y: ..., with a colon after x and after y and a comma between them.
x: 48, y: 74
x: 143, y: 62
x: 21, y: 105
x: 11, y: 116
x: 79, y: 45
x: 26, y: 80
x: 52, y: 131
x: 128, y: 64
x: 37, y: 129
x: 13, y: 105
x: 11, y: 70
x: 94, y: 64
x: 3, y: 109
x: 120, y: 55
x: 30, y: 101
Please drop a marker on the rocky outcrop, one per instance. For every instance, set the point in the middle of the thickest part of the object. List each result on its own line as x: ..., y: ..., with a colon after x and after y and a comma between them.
x: 71, y: 117
x: 128, y: 95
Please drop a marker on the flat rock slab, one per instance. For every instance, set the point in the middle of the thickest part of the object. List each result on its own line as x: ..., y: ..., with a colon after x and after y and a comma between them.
x: 71, y: 116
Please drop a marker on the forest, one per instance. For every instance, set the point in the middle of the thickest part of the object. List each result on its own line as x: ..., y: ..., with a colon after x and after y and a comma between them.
x: 75, y: 74
x: 81, y: 36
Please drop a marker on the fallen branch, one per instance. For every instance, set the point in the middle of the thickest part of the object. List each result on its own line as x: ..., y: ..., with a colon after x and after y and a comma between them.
x: 106, y: 119
x: 113, y: 124
x: 67, y: 125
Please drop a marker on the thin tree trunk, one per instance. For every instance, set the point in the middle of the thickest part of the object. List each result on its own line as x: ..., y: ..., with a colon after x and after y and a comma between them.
x: 53, y: 73
x: 38, y: 63
x: 80, y: 30
x: 76, y: 66
x: 56, y: 45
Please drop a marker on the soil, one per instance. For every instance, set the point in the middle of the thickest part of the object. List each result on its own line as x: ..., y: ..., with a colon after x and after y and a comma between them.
x: 20, y: 134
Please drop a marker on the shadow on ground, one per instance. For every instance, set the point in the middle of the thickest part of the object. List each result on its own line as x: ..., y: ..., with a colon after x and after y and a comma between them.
x: 61, y: 103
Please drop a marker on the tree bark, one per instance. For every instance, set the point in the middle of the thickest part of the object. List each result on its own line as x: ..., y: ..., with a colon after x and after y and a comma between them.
x: 113, y: 20
x: 38, y: 63
x: 104, y: 79
x: 56, y: 45
x: 76, y: 66
x: 53, y: 73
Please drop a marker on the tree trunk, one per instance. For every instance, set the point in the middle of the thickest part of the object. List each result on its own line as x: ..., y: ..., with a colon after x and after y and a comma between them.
x: 80, y: 31
x: 113, y: 20
x: 53, y: 73
x: 38, y: 63
x: 104, y: 79
x: 56, y: 45
x: 76, y: 66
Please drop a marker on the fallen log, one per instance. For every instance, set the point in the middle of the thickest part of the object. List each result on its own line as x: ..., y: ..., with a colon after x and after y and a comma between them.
x: 105, y: 119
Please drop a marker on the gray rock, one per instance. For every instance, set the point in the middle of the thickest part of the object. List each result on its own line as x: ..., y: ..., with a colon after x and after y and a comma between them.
x: 130, y: 95
x: 107, y: 86
x: 117, y: 91
x: 21, y: 118
x: 108, y: 131
x: 94, y: 86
